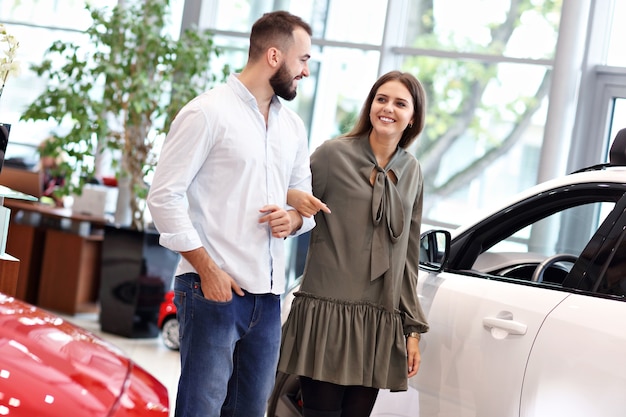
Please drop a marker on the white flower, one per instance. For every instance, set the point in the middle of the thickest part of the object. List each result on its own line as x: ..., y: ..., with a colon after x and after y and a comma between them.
x: 8, y: 65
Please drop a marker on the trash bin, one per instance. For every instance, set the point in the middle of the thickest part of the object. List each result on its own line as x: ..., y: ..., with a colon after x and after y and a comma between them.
x: 135, y: 274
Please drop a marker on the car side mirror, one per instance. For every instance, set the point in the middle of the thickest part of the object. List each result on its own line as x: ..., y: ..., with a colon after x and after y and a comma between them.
x: 434, y: 250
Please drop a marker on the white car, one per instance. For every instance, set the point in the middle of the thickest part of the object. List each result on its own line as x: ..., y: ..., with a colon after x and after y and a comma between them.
x: 526, y: 308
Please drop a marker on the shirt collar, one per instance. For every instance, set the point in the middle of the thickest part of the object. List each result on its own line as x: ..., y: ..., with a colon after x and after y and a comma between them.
x: 246, y: 96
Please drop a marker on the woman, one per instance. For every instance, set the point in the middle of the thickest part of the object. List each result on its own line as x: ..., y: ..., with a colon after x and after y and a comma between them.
x: 52, y: 180
x: 355, y: 323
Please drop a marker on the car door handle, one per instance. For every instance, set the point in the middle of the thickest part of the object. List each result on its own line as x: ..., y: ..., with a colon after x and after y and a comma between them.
x: 509, y: 326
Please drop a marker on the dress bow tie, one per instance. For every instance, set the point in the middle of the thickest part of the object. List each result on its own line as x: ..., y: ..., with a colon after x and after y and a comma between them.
x: 388, y: 219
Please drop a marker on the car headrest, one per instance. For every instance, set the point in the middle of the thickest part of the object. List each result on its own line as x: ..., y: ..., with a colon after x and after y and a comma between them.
x: 617, y: 153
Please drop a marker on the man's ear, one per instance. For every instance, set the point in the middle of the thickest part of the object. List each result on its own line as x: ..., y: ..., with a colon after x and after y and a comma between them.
x: 274, y: 57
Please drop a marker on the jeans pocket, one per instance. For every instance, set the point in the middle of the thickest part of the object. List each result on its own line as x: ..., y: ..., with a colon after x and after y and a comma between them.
x: 198, y: 295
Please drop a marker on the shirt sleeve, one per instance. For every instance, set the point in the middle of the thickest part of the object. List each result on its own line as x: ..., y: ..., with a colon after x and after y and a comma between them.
x: 319, y: 165
x: 301, y: 178
x: 184, y: 150
x: 414, y: 317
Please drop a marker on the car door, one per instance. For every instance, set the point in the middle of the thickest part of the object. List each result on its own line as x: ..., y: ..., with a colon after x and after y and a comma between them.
x: 484, y: 322
x: 577, y: 365
x: 474, y: 356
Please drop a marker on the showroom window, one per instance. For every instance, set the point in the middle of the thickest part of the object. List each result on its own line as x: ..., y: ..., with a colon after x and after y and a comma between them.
x: 616, y: 56
x: 36, y: 24
x: 601, y: 109
x: 487, y: 78
x: 487, y: 71
x: 487, y: 67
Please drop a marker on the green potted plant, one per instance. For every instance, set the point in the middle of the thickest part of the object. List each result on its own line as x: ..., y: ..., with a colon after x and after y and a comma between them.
x: 120, y: 94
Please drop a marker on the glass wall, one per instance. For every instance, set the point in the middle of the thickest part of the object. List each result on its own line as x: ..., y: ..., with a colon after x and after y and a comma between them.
x: 486, y: 68
x: 616, y: 56
x: 345, y: 58
x: 493, y: 27
x: 486, y: 64
x: 601, y: 112
x: 37, y: 24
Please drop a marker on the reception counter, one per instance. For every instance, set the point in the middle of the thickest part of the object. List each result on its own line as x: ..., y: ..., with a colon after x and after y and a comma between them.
x: 9, y: 274
x: 59, y: 254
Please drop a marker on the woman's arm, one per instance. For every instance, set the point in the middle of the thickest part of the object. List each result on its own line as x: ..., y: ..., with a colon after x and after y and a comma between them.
x: 306, y: 204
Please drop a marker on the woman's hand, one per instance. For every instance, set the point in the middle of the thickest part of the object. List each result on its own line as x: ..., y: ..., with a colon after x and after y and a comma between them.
x: 306, y: 204
x: 413, y: 355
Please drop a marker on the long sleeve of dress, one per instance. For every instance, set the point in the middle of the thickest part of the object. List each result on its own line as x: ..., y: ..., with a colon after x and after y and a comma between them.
x: 414, y: 318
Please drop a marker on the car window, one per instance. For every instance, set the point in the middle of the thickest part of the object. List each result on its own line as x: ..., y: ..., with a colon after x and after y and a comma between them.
x: 567, y: 231
x: 541, y: 238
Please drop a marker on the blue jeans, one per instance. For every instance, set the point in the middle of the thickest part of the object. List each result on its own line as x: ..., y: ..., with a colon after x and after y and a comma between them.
x: 228, y: 350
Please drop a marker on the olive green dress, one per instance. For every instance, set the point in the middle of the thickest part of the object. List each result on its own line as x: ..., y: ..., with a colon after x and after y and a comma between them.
x: 358, y: 294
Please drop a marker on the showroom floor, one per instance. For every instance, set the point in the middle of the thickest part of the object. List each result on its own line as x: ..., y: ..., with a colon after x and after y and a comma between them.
x: 150, y: 354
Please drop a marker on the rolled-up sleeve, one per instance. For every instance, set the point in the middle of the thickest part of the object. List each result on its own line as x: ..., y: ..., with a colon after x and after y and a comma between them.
x: 184, y: 151
x: 301, y: 174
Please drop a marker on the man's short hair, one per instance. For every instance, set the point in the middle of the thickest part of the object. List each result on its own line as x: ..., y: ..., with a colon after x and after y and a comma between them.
x: 274, y: 29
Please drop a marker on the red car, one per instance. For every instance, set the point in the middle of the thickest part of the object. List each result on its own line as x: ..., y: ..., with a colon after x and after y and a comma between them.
x: 168, y: 323
x: 52, y: 368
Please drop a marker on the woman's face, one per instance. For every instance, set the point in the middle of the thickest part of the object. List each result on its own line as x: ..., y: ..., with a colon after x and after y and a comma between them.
x: 48, y: 162
x: 392, y: 110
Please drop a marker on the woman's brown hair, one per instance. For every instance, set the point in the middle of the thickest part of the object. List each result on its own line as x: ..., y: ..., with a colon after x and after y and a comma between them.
x: 364, y: 124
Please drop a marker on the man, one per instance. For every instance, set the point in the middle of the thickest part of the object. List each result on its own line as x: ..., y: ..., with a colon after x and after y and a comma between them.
x: 219, y: 198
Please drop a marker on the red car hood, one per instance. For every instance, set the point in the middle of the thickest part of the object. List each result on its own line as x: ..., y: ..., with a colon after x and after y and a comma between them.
x: 49, y: 367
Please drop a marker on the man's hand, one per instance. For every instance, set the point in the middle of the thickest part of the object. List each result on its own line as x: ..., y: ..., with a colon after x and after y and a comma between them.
x: 306, y: 204
x: 216, y: 284
x: 281, y: 223
x: 219, y: 286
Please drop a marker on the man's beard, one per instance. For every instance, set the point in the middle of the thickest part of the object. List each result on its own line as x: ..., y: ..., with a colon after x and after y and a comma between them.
x: 282, y: 82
